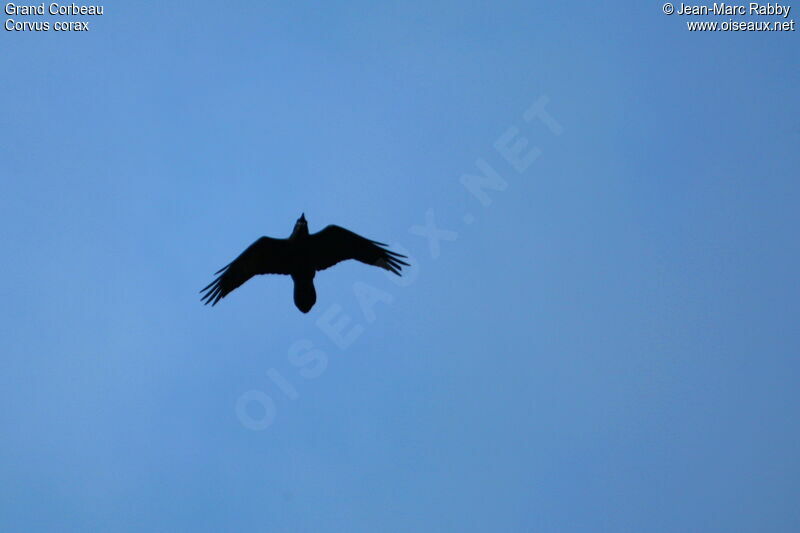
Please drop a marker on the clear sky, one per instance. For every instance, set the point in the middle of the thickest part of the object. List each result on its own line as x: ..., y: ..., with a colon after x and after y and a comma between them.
x: 609, y: 344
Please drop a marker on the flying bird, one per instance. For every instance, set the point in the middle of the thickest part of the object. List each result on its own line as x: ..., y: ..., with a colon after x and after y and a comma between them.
x: 301, y: 256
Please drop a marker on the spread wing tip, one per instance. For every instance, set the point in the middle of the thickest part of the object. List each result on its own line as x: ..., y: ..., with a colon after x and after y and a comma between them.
x: 392, y: 264
x: 213, y: 293
x: 391, y: 256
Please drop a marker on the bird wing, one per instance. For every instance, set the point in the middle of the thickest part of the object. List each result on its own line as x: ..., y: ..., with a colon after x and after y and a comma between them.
x: 334, y: 244
x: 265, y: 256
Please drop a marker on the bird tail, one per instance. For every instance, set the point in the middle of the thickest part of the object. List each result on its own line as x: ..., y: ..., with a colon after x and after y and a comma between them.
x: 305, y: 296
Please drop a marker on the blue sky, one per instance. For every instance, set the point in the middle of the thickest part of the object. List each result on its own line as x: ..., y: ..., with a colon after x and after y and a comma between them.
x: 610, y: 345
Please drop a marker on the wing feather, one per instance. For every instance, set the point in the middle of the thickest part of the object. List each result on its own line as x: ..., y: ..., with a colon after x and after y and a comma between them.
x: 335, y: 244
x: 265, y: 256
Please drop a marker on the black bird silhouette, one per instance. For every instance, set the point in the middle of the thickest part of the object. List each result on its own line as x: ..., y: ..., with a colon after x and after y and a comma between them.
x: 301, y: 256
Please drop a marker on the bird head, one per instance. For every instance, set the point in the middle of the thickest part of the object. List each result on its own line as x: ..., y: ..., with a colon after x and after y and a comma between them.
x: 301, y: 226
